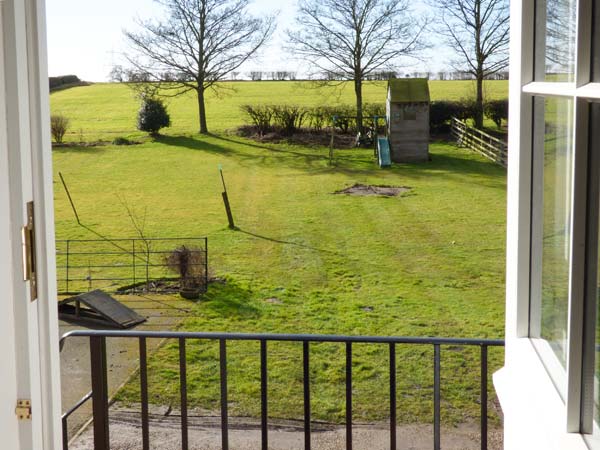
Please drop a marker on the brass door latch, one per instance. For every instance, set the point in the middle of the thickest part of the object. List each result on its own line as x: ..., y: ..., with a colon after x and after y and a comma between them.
x: 29, y: 262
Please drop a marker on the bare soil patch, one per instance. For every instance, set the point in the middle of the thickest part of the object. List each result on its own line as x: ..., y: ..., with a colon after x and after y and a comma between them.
x: 363, y: 190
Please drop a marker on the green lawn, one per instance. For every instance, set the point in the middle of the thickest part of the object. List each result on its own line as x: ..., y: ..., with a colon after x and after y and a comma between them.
x: 105, y: 111
x: 428, y: 263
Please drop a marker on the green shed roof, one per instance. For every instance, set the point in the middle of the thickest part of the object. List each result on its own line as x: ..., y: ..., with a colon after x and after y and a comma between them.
x: 409, y: 90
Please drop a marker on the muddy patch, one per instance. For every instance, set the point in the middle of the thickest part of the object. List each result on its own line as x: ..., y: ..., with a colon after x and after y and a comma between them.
x: 365, y: 190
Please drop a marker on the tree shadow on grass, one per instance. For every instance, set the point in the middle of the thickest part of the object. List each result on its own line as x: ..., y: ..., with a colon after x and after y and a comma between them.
x: 229, y: 299
x: 193, y: 144
x: 279, y: 241
x: 89, y: 149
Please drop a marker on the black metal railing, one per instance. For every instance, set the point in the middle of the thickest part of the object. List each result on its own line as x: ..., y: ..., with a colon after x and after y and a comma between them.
x: 100, y: 397
x: 124, y: 265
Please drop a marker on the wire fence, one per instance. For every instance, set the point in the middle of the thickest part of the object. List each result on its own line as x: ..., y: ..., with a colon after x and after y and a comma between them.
x: 128, y: 265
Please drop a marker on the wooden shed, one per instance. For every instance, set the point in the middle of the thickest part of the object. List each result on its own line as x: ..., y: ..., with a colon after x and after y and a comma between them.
x: 407, y: 110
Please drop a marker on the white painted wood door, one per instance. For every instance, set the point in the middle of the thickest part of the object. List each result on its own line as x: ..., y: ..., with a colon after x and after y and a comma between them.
x: 29, y: 366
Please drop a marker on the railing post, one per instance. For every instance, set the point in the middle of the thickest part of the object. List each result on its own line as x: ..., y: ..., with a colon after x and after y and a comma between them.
x: 65, y: 434
x: 484, y: 397
x: 224, y: 409
x: 264, y: 408
x: 392, y: 396
x: 144, y: 393
x: 183, y: 393
x: 348, y: 395
x: 306, y: 382
x: 99, y: 392
x: 436, y: 396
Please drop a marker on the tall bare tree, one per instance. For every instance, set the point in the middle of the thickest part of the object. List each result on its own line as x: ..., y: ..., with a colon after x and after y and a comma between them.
x: 350, y: 39
x: 199, y: 42
x: 477, y: 31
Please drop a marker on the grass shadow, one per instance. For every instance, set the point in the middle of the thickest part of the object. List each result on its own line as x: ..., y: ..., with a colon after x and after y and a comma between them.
x: 193, y: 144
x: 228, y: 299
x: 296, y: 244
x: 77, y: 148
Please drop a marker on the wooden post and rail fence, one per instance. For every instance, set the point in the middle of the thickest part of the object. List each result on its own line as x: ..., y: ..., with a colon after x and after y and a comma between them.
x: 480, y: 142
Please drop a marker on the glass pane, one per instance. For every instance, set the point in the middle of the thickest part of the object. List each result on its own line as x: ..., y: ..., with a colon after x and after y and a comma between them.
x: 553, y: 155
x: 595, y: 75
x: 555, y: 40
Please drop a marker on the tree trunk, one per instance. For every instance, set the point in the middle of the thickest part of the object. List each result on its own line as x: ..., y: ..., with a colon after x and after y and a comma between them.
x: 359, y: 111
x: 479, y: 102
x: 479, y: 71
x: 202, y: 111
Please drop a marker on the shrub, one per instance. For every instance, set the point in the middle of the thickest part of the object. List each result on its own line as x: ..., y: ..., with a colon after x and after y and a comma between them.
x: 190, y: 264
x: 153, y: 116
x: 320, y: 117
x: 440, y: 114
x: 497, y: 110
x: 58, y: 127
x: 288, y: 118
x: 122, y: 141
x: 374, y: 109
x: 260, y: 116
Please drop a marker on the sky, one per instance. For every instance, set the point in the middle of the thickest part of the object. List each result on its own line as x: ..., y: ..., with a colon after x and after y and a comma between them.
x: 85, y: 37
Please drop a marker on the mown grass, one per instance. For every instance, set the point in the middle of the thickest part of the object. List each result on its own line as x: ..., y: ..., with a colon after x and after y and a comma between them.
x: 428, y: 263
x: 106, y: 111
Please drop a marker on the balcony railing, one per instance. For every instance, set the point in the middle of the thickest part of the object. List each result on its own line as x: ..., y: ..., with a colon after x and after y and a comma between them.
x: 100, y: 397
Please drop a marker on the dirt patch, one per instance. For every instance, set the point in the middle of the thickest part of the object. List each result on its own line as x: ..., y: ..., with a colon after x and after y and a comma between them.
x: 365, y: 190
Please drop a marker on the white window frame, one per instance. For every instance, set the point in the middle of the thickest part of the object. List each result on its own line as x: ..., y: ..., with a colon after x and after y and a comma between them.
x: 28, y: 329
x: 537, y: 414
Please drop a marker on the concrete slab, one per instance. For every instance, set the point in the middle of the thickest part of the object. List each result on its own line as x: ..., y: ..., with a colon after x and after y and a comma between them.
x: 164, y: 312
x: 204, y: 434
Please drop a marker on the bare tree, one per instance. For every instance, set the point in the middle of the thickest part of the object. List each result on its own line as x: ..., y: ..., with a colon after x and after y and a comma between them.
x: 349, y: 39
x: 477, y: 31
x: 203, y: 41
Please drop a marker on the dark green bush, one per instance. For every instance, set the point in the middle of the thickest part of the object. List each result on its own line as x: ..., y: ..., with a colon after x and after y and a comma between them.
x: 122, y: 141
x: 497, y: 110
x: 440, y: 114
x: 153, y: 116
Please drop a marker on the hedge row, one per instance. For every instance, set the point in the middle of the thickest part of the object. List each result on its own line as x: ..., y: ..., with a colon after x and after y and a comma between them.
x: 290, y: 118
x: 65, y: 80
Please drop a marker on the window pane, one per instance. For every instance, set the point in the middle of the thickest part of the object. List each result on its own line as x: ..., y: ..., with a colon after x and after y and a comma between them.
x: 551, y: 221
x: 555, y: 40
x: 595, y: 75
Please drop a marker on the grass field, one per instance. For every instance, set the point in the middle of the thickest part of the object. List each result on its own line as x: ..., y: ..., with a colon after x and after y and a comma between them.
x: 105, y: 111
x: 428, y: 263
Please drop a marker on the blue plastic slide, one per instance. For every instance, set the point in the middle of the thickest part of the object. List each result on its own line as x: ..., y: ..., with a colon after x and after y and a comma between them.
x: 383, y: 152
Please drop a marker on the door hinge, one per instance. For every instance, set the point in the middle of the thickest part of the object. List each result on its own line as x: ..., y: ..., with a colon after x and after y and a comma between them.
x: 23, y: 409
x: 29, y: 262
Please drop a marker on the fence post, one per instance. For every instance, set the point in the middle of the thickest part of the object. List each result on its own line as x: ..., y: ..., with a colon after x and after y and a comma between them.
x: 99, y: 392
x: 67, y: 274
x: 133, y: 264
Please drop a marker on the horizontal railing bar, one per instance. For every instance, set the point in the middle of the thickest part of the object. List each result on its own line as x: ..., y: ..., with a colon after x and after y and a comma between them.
x: 77, y: 405
x: 285, y: 337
